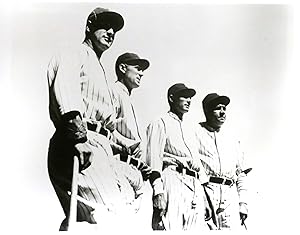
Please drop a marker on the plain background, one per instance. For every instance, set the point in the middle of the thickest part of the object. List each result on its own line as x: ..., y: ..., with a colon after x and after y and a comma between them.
x: 247, y: 52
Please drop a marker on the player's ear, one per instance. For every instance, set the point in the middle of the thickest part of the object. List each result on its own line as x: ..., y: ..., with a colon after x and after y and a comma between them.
x: 122, y: 67
x: 171, y: 98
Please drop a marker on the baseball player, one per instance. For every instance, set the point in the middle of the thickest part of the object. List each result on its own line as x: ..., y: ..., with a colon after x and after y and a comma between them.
x: 176, y: 178
x: 82, y: 111
x: 129, y: 69
x: 224, y: 163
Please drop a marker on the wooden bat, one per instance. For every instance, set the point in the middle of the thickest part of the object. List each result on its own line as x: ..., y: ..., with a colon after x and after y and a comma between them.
x: 73, y: 202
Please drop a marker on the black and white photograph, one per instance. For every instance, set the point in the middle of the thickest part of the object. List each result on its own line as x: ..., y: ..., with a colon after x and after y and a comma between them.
x: 143, y: 117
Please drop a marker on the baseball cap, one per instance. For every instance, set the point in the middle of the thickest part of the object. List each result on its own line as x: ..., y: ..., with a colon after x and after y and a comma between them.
x: 132, y: 59
x: 181, y: 89
x: 213, y: 99
x: 104, y: 18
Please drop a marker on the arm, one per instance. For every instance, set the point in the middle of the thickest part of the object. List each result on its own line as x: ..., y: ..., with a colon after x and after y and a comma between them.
x: 194, y: 143
x: 242, y: 183
x: 156, y: 138
x: 124, y: 134
x: 64, y: 83
x: 119, y: 140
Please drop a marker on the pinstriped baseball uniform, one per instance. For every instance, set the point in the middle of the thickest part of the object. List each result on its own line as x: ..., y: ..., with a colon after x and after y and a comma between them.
x: 126, y: 125
x: 221, y: 156
x: 166, y: 135
x: 77, y: 81
x: 126, y: 122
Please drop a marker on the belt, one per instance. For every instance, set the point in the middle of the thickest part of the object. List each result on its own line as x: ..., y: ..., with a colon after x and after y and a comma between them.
x: 95, y: 127
x: 132, y: 161
x: 220, y: 180
x: 188, y: 172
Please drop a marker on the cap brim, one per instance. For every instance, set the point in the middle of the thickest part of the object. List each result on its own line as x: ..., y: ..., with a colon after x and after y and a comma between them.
x: 220, y: 100
x: 143, y: 63
x: 188, y: 92
x: 114, y: 18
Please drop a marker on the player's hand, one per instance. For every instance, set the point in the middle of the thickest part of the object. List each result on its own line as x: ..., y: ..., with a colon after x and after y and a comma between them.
x: 110, y: 123
x: 183, y: 163
x: 84, y: 154
x: 137, y: 152
x: 125, y: 151
x: 243, y: 212
x: 160, y: 203
x: 195, y: 164
x: 243, y: 217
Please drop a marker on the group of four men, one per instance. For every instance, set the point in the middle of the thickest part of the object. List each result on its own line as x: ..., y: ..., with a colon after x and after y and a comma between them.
x: 198, y: 175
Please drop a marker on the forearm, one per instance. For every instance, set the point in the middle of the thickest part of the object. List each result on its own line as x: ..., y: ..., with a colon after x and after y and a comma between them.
x: 121, y: 140
x: 242, y: 187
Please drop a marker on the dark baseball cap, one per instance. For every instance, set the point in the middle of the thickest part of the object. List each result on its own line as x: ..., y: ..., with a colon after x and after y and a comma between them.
x: 213, y: 99
x: 179, y: 89
x: 101, y: 18
x: 132, y: 59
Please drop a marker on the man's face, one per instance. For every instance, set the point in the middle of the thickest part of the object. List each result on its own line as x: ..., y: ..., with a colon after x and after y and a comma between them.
x: 133, y: 75
x: 182, y: 104
x: 217, y: 116
x: 103, y: 39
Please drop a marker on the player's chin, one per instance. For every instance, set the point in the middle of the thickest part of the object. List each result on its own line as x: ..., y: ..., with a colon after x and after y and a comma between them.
x: 107, y: 44
x: 187, y: 107
x: 185, y: 110
x: 137, y: 84
x: 221, y: 121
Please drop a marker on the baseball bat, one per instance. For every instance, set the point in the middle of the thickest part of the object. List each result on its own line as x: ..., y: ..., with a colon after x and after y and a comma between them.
x: 73, y: 202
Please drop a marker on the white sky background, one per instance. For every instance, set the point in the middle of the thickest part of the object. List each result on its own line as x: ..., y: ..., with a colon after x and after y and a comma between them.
x: 244, y: 51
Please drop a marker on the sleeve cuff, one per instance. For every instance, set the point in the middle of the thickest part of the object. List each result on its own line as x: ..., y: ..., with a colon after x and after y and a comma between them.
x: 243, y: 208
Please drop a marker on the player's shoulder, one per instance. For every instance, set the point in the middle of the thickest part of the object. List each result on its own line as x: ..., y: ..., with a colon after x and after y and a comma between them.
x: 200, y: 126
x: 117, y: 86
x: 159, y: 119
x: 118, y: 90
x: 71, y: 51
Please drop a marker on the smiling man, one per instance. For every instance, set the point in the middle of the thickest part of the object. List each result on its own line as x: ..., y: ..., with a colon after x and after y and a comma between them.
x: 82, y: 111
x: 224, y: 163
x: 176, y: 178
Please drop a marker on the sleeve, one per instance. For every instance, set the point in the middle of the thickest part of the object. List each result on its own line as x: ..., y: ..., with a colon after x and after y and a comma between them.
x: 196, y: 163
x: 121, y: 128
x: 116, y: 100
x: 156, y: 139
x: 64, y: 78
x: 65, y: 95
x: 135, y: 179
x: 243, y: 169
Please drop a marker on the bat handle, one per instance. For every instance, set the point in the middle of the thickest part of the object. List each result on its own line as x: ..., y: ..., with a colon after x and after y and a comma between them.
x: 73, y: 202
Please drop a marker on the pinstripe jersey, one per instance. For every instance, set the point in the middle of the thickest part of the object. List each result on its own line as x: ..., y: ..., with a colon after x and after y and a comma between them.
x: 126, y: 123
x: 221, y: 156
x: 220, y: 152
x: 165, y: 135
x: 77, y: 81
